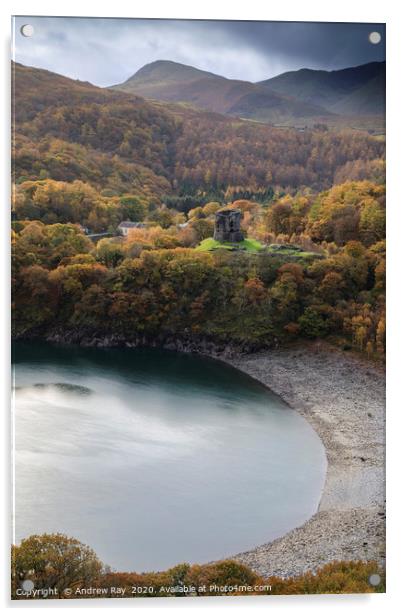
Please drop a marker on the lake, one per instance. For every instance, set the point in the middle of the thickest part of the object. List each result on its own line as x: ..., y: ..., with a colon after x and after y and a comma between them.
x: 153, y: 457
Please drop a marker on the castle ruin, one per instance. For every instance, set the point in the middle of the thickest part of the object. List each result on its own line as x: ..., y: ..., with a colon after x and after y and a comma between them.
x: 227, y: 226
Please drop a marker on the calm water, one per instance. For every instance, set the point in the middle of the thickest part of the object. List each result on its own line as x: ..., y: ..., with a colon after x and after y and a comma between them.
x: 154, y: 458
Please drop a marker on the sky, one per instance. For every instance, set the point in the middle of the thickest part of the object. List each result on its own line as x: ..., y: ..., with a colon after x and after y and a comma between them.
x: 108, y: 51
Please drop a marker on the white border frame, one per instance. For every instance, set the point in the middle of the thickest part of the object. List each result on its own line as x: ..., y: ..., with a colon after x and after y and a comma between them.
x: 308, y: 10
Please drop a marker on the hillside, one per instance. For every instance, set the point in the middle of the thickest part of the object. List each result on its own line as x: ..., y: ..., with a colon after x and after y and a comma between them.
x: 67, y: 130
x: 171, y: 81
x: 87, y: 156
x: 350, y: 91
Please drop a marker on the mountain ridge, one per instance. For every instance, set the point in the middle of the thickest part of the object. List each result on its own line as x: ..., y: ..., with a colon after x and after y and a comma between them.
x: 294, y: 97
x: 175, y: 82
x: 344, y: 91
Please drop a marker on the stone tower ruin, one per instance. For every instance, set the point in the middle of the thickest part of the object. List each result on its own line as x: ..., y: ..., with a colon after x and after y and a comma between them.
x: 227, y: 226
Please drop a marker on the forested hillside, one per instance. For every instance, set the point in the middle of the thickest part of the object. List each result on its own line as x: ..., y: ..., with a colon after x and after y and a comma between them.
x: 68, y: 130
x: 314, y: 201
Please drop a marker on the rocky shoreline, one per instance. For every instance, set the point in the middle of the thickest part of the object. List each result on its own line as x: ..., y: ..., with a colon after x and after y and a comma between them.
x: 343, y: 398
x: 185, y: 343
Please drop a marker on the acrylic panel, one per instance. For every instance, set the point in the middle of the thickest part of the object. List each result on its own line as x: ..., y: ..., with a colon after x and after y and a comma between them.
x: 198, y: 310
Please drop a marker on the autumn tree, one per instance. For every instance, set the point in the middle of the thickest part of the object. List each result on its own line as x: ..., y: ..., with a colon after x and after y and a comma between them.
x: 109, y: 252
x: 133, y: 207
x: 54, y: 561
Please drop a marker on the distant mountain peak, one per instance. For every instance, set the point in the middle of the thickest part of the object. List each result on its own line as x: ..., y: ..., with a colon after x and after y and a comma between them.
x: 168, y: 71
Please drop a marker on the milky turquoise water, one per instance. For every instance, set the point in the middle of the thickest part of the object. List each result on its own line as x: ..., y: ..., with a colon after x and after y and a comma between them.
x: 154, y: 458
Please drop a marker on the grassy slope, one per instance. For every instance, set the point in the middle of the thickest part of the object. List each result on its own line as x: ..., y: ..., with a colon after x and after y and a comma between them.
x: 252, y: 245
x: 248, y: 244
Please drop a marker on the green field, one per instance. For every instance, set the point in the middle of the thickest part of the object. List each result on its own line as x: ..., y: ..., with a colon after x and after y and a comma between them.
x: 251, y: 245
x: 248, y: 244
x: 286, y: 250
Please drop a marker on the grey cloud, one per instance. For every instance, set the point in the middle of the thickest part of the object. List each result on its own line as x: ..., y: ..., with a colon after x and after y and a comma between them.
x: 108, y: 51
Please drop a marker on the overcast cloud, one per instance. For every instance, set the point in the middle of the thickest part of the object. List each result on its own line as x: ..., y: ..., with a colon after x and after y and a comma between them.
x: 108, y: 51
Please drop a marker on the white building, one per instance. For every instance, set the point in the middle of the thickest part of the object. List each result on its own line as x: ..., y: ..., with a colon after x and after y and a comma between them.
x: 125, y: 226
